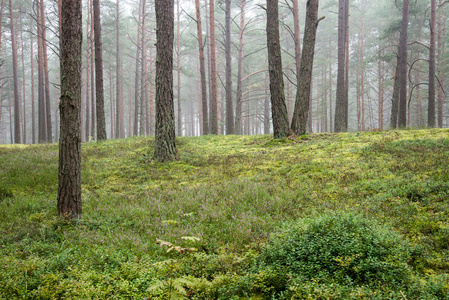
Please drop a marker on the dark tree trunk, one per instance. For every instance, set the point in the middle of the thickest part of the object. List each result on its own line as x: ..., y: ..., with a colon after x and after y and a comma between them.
x: 296, y: 37
x: 24, y: 118
x: 440, y: 93
x: 238, y: 104
x: 278, y: 107
x: 119, y: 118
x: 402, y: 66
x: 136, y: 78
x: 202, y: 69
x: 431, y: 105
x: 178, y: 59
x: 33, y: 113
x: 341, y: 105
x: 165, y: 145
x: 143, y: 77
x: 229, y: 106
x: 301, y: 111
x: 213, y: 73
x: 17, y: 136
x: 42, y: 116
x: 69, y: 190
x: 99, y: 92
x: 46, y: 73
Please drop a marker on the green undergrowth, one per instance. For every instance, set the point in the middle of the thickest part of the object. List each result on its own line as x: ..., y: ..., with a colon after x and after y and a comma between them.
x: 322, y: 216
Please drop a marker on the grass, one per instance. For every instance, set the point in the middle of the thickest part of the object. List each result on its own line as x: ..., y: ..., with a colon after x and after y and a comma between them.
x: 231, y: 192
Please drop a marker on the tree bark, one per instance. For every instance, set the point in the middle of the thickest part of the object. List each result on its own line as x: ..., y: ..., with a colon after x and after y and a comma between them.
x: 431, y: 98
x: 46, y: 73
x: 238, y: 104
x: 33, y: 113
x: 99, y: 92
x: 402, y: 113
x: 69, y: 189
x: 341, y: 105
x: 17, y: 135
x: 202, y: 69
x: 119, y: 119
x: 88, y: 61
x: 229, y: 104
x: 42, y: 116
x: 178, y: 59
x: 278, y: 107
x: 301, y: 111
x: 440, y: 93
x: 165, y: 145
x: 213, y: 73
x: 136, y: 78
x: 296, y: 37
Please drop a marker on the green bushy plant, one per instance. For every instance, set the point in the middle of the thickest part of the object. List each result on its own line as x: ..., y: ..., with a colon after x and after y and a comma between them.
x: 340, y: 247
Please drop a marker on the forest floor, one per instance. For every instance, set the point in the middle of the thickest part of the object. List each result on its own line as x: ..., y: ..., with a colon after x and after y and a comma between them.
x: 216, y: 208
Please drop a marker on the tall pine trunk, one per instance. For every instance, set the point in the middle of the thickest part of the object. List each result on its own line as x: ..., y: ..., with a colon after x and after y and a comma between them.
x: 165, y: 145
x: 46, y: 73
x: 119, y: 119
x: 431, y: 99
x: 238, y: 104
x: 17, y: 135
x: 202, y: 69
x: 229, y: 104
x: 213, y: 73
x: 278, y: 107
x: 69, y: 188
x: 341, y: 105
x: 301, y: 111
x: 99, y: 92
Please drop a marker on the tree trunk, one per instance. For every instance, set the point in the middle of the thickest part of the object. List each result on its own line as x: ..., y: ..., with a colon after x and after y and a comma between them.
x: 278, y: 107
x: 301, y: 111
x: 88, y: 60
x: 99, y: 92
x: 431, y: 105
x: 165, y: 145
x: 136, y: 78
x: 93, y: 121
x: 42, y: 116
x: 178, y: 59
x: 331, y: 123
x: 119, y: 118
x: 202, y: 69
x: 24, y: 118
x: 46, y: 73
x: 213, y: 73
x: 17, y: 136
x: 143, y: 77
x: 69, y: 190
x: 402, y: 58
x: 229, y: 104
x: 33, y: 116
x: 363, y: 73
x: 440, y: 93
x: 296, y: 38
x: 238, y: 104
x: 341, y: 105
x: 380, y: 91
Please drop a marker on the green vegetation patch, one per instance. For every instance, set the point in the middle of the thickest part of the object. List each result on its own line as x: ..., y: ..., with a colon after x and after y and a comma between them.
x: 221, y: 209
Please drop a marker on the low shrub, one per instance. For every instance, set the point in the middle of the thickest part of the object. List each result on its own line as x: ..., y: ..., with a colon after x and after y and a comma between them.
x: 343, y: 248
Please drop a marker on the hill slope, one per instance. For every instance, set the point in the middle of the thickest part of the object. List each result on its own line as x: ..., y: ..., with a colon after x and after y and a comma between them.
x: 231, y: 193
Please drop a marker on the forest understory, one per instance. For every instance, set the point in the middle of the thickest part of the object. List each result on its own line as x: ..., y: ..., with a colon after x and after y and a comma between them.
x: 359, y: 215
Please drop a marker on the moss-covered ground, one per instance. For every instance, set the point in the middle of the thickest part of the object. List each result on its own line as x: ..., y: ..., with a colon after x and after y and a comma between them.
x: 215, y: 209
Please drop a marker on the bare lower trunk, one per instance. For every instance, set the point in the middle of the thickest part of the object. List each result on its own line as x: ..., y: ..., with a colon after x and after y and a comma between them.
x: 101, y: 122
x: 213, y: 73
x: 17, y: 135
x: 431, y: 104
x: 278, y: 107
x: 69, y: 190
x: 165, y: 146
x: 229, y: 104
x: 301, y: 112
